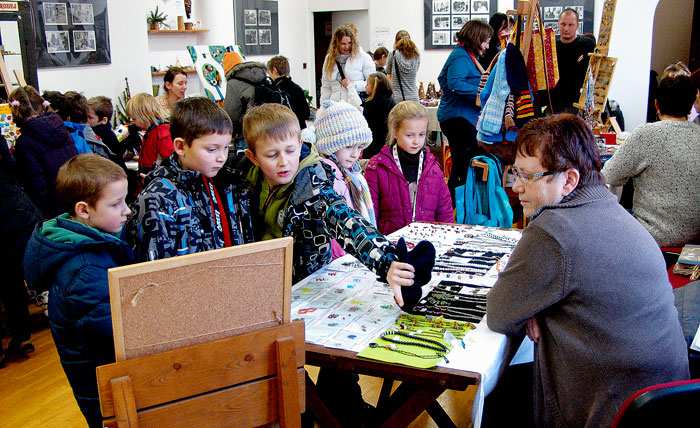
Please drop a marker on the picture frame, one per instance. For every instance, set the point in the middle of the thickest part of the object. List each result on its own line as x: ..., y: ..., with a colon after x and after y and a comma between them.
x: 264, y: 18
x: 441, y: 6
x: 250, y: 17
x: 84, y: 23
x: 446, y: 17
x: 257, y: 26
x: 155, y: 303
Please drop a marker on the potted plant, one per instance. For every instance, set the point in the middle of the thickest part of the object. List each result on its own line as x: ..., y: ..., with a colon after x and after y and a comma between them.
x: 155, y: 19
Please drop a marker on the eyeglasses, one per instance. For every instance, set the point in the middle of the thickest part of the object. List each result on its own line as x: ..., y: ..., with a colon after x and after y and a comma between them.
x: 531, y: 177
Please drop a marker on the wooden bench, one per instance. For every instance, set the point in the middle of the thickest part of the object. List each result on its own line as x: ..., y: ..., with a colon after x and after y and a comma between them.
x: 248, y: 380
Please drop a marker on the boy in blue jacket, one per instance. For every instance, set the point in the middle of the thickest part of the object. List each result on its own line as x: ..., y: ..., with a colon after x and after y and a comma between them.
x: 69, y: 256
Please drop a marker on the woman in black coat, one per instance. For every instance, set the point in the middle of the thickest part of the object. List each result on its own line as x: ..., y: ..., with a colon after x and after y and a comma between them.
x: 376, y: 110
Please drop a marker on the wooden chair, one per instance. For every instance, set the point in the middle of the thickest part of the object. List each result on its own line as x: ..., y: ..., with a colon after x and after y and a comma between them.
x: 248, y: 380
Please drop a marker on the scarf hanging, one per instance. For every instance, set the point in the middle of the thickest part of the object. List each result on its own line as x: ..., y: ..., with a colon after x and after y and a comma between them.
x: 359, y: 190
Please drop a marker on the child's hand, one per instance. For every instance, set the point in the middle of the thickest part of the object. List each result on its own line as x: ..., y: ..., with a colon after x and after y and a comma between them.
x: 399, y: 275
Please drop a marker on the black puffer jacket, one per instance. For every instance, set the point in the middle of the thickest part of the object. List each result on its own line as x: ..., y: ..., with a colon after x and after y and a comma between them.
x: 239, y: 93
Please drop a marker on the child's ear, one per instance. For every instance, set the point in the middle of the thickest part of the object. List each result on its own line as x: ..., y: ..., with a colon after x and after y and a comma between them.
x: 81, y: 210
x: 103, y: 121
x: 179, y: 144
x: 251, y: 157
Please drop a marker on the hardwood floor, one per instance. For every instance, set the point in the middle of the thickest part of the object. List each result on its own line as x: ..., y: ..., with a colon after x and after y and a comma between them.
x: 35, y: 393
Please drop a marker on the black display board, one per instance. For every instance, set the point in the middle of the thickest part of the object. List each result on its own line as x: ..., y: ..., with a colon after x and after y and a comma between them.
x: 257, y: 26
x: 552, y: 8
x: 71, y: 33
x: 444, y: 18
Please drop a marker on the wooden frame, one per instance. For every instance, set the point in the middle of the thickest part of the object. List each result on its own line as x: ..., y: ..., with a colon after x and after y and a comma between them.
x: 181, y: 301
x: 248, y: 380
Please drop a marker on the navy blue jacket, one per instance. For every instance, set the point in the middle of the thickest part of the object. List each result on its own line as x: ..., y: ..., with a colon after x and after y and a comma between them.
x: 71, y: 261
x: 40, y: 151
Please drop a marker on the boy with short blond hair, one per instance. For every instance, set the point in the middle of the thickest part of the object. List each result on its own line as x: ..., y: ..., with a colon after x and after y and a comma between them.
x: 69, y: 256
x: 183, y: 207
x: 296, y: 198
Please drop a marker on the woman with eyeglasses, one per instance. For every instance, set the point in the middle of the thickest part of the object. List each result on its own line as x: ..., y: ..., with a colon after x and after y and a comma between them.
x: 586, y: 282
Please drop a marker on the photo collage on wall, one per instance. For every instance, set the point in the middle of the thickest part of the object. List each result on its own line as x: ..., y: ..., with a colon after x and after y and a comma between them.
x: 257, y: 26
x: 551, y: 9
x: 72, y: 33
x: 444, y: 18
x: 56, y: 14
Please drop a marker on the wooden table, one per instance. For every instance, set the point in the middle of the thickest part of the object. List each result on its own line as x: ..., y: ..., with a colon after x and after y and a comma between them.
x: 418, y: 391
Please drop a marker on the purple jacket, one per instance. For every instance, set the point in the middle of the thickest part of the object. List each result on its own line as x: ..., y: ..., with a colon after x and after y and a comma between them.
x: 392, y: 203
x: 40, y: 151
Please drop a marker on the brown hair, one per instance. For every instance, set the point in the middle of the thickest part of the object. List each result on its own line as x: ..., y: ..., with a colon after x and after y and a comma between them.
x: 146, y: 106
x: 279, y: 63
x: 76, y: 106
x: 562, y: 141
x: 380, y: 85
x: 272, y: 121
x: 334, y: 47
x: 171, y: 73
x: 82, y: 179
x: 29, y: 104
x: 197, y: 117
x: 380, y: 52
x: 675, y: 69
x: 404, y: 44
x: 473, y: 34
x: 675, y: 95
x: 102, y: 106
x: 405, y: 110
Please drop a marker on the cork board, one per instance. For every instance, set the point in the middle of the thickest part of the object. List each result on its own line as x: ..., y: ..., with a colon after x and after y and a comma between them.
x: 182, y: 301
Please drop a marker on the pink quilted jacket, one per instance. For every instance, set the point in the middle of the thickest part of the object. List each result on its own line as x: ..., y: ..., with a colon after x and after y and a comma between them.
x: 392, y: 203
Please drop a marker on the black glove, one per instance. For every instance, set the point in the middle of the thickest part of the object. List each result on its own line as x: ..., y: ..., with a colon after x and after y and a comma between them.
x: 422, y: 258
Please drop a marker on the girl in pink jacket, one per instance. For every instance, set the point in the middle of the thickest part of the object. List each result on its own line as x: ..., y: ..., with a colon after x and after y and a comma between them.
x: 405, y: 179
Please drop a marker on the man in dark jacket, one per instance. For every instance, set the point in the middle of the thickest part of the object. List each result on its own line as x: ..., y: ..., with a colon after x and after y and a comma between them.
x: 278, y: 69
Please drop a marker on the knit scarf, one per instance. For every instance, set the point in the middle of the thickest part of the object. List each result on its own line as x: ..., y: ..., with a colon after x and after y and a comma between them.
x: 359, y: 189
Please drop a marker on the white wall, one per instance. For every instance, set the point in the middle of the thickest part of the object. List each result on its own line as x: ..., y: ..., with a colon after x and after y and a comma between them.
x: 673, y: 26
x: 361, y: 20
x: 129, y: 51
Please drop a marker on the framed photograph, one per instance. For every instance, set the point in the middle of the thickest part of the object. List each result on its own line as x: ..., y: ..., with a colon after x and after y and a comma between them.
x: 552, y: 12
x: 441, y: 22
x: 579, y: 10
x: 441, y: 6
x: 264, y: 18
x: 81, y: 14
x: 458, y: 21
x: 265, y: 37
x: 84, y: 41
x: 57, y: 41
x: 460, y: 6
x: 554, y: 25
x: 55, y: 14
x: 441, y: 38
x: 480, y: 6
x: 454, y: 37
x: 251, y: 37
x: 250, y: 17
x: 482, y: 18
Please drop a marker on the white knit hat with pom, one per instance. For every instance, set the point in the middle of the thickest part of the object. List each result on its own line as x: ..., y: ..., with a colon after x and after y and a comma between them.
x: 339, y: 125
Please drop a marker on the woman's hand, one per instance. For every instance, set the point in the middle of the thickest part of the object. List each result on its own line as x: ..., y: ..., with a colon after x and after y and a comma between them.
x: 399, y: 275
x: 532, y: 329
x: 345, y: 82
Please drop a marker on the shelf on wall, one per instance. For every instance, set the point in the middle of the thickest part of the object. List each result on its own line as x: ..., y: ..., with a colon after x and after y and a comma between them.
x: 201, y: 30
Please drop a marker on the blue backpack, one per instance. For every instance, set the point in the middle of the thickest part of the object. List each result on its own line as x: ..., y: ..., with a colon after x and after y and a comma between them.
x: 484, y: 203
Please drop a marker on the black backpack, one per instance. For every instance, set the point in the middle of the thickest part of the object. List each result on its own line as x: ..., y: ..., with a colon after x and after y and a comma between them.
x: 265, y: 92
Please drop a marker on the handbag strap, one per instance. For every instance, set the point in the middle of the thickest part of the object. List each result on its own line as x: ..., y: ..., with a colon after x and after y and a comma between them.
x: 340, y: 70
x: 398, y: 74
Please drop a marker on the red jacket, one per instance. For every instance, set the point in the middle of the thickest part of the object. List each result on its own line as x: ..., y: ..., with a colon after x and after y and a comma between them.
x: 392, y: 203
x: 157, y: 144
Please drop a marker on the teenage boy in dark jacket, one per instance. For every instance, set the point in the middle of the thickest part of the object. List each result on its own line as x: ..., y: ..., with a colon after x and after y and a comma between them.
x: 69, y: 256
x: 278, y: 69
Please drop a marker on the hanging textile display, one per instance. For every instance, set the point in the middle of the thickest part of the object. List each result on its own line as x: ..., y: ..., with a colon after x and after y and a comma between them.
x: 542, y: 65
